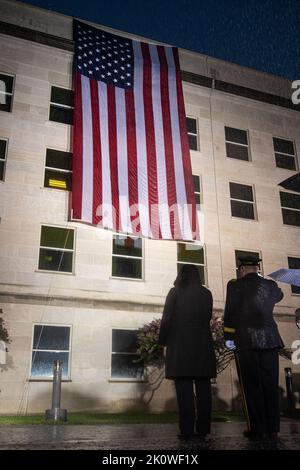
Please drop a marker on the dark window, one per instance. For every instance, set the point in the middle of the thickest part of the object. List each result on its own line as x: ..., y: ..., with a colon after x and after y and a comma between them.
x: 56, y: 249
x: 189, y: 253
x: 242, y: 201
x: 58, y: 170
x: 236, y: 141
x: 3, y: 152
x: 290, y: 207
x: 61, y: 105
x: 284, y: 153
x: 125, y: 363
x: 294, y: 263
x: 245, y: 254
x: 197, y: 190
x: 50, y: 343
x: 6, y: 92
x: 191, y: 124
x: 127, y: 257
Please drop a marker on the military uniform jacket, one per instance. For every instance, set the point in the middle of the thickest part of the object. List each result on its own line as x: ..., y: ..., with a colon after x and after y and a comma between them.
x: 248, y: 317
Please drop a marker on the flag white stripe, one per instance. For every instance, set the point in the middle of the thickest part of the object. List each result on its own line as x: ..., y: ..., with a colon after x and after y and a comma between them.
x: 177, y: 150
x: 142, y: 169
x: 106, y: 182
x: 164, y: 213
x: 87, y: 149
x: 122, y: 160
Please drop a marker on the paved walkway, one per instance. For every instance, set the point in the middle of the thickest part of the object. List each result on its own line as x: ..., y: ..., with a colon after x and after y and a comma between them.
x: 224, y: 436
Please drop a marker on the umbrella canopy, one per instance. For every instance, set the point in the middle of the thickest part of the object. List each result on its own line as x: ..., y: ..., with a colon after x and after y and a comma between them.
x: 292, y: 183
x: 289, y: 276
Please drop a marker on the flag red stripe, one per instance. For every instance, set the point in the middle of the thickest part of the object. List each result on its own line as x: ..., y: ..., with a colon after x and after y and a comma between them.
x: 186, y: 159
x: 113, y: 156
x: 132, y: 157
x: 150, y: 144
x: 166, y: 116
x: 77, y: 149
x: 97, y: 163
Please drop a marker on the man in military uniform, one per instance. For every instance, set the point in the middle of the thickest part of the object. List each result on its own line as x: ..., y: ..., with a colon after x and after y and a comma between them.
x: 249, y: 327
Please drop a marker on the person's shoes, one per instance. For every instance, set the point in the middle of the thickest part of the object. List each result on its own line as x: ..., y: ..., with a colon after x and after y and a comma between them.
x: 253, y: 436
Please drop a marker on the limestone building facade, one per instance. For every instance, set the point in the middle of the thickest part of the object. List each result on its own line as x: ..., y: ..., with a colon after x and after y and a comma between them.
x: 85, y: 310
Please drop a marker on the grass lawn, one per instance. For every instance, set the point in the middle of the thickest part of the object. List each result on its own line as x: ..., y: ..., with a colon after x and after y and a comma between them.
x: 114, y: 418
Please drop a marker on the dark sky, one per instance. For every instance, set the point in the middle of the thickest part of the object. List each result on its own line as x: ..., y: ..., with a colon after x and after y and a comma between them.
x: 263, y: 34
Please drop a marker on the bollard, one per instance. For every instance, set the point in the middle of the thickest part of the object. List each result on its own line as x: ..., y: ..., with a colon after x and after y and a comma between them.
x: 289, y: 389
x: 56, y: 413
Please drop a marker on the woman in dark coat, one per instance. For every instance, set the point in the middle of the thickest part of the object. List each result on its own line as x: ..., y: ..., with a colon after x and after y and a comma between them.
x: 190, y: 358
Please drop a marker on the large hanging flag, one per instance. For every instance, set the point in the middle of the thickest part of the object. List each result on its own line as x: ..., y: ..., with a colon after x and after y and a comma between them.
x: 132, y: 169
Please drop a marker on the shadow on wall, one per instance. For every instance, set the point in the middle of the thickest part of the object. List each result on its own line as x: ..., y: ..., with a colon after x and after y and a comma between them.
x: 9, y: 363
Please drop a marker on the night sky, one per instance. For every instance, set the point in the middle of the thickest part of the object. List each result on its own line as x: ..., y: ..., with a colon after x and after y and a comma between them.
x: 263, y: 34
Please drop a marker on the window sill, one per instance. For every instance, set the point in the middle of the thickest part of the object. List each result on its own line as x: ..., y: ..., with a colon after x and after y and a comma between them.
x: 53, y: 272
x: 242, y: 218
x: 126, y: 279
x: 46, y: 380
x: 139, y: 381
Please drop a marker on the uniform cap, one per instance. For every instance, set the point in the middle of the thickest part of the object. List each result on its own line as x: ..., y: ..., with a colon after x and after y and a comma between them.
x: 249, y: 261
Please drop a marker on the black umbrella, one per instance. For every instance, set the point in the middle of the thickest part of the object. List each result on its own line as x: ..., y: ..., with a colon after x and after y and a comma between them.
x: 292, y: 183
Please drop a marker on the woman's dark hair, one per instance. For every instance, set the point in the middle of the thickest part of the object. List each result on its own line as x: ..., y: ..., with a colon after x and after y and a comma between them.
x: 188, y: 273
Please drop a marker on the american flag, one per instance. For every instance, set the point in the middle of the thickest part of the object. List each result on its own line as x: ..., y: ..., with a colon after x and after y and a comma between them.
x: 131, y: 169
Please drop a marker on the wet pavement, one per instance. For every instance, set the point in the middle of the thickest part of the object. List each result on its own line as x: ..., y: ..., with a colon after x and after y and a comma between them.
x: 224, y: 436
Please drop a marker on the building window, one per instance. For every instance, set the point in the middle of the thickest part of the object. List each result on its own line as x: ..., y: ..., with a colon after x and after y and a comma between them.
x: 3, y: 152
x: 240, y: 254
x: 290, y: 207
x: 58, y: 170
x: 242, y: 201
x: 198, y: 191
x: 61, y: 105
x: 237, y: 145
x: 56, y: 249
x: 294, y: 263
x: 125, y: 363
x: 192, y: 130
x: 6, y: 92
x: 50, y: 343
x: 127, y: 257
x: 191, y: 253
x: 284, y: 153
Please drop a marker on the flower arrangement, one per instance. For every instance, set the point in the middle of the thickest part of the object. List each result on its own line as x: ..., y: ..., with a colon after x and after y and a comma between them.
x: 151, y: 353
x: 4, y: 336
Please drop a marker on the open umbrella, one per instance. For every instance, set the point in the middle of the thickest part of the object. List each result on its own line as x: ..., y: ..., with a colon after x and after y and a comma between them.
x: 289, y: 276
x: 292, y: 183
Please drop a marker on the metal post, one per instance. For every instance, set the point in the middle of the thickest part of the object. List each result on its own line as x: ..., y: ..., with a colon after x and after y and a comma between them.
x: 56, y: 413
x: 289, y: 389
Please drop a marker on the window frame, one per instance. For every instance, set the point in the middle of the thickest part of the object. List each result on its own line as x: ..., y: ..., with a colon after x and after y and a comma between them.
x: 69, y: 351
x: 192, y: 133
x: 125, y: 379
x: 200, y: 193
x: 58, y: 249
x: 297, y: 294
x: 205, y: 283
x: 288, y: 208
x: 12, y: 94
x: 244, y: 201
x: 130, y: 257
x: 4, y: 160
x: 286, y: 154
x: 239, y: 144
x: 56, y: 169
x: 59, y: 105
